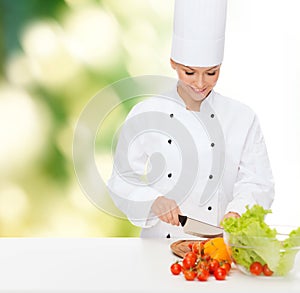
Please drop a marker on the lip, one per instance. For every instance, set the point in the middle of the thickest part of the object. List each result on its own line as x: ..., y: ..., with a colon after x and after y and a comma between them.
x: 198, y: 90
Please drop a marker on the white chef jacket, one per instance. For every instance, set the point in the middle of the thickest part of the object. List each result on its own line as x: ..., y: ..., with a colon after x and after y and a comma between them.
x: 246, y: 178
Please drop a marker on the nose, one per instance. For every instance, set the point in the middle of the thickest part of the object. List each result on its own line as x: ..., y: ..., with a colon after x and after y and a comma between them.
x: 199, y: 81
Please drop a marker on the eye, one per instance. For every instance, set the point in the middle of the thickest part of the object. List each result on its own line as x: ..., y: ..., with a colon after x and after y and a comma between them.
x: 211, y: 73
x: 189, y: 72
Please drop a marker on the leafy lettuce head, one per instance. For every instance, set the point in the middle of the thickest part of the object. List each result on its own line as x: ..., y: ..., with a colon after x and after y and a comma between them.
x: 250, y: 239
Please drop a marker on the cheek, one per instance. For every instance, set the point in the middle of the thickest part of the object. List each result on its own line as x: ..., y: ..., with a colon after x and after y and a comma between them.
x: 183, y: 77
x: 213, y: 80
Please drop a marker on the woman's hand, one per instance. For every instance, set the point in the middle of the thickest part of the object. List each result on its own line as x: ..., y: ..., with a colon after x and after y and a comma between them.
x: 166, y: 210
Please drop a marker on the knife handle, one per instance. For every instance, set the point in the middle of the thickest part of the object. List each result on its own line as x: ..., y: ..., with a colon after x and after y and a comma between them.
x: 182, y: 219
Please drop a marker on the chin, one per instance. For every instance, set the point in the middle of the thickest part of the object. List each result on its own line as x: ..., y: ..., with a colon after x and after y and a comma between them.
x: 200, y: 96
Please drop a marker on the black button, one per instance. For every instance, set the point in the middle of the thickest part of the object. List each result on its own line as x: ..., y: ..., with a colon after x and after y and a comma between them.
x: 168, y: 236
x: 170, y: 141
x: 212, y: 115
x: 209, y: 208
x: 210, y: 176
x: 170, y: 175
x: 171, y: 115
x: 212, y: 144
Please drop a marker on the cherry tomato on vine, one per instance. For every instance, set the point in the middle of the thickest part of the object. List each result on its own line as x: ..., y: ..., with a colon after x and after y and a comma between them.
x: 220, y: 274
x: 191, y: 255
x: 188, y: 263
x: 225, y: 265
x: 189, y: 275
x: 176, y: 268
x: 205, y: 257
x: 189, y: 260
x: 202, y: 264
x: 196, y: 248
x: 203, y: 274
x: 213, y: 265
x: 256, y: 268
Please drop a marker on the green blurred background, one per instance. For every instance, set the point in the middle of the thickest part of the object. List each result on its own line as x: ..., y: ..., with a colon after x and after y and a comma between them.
x: 55, y: 55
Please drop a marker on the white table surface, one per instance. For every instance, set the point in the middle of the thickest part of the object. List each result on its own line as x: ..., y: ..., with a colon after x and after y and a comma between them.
x: 112, y: 265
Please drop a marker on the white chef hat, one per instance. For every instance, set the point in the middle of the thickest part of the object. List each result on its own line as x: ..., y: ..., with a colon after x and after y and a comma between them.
x: 199, y: 32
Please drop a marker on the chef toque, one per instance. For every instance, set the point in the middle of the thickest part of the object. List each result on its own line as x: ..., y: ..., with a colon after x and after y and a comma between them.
x: 199, y: 32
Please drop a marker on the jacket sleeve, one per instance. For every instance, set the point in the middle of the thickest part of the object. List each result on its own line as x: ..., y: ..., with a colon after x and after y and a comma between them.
x: 128, y: 184
x: 254, y: 183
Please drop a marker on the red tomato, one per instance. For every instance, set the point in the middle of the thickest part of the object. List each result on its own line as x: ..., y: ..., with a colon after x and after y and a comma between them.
x: 220, y: 274
x: 191, y: 255
x: 202, y: 264
x: 213, y: 265
x: 196, y: 248
x: 203, y: 274
x: 256, y: 268
x: 225, y: 265
x: 189, y: 260
x: 190, y: 245
x: 205, y: 257
x: 176, y: 268
x: 189, y: 275
x: 267, y: 271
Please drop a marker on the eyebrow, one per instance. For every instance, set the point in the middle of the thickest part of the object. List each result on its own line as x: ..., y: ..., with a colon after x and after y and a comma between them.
x: 205, y: 70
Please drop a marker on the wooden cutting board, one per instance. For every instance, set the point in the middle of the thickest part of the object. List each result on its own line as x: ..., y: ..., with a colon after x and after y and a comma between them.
x: 181, y: 247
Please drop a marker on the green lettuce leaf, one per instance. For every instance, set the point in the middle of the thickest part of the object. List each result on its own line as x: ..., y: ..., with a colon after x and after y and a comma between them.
x: 251, y: 239
x: 288, y: 254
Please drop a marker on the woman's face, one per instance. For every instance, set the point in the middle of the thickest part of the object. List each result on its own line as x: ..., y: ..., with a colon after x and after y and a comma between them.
x: 201, y: 80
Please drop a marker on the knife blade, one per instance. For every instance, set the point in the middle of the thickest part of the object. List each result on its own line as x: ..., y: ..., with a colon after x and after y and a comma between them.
x: 199, y: 228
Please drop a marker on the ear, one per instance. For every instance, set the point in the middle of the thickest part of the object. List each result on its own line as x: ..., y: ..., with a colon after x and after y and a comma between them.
x: 173, y: 63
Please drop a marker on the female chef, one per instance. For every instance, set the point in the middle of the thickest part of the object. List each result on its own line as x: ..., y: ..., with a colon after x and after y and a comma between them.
x: 243, y: 175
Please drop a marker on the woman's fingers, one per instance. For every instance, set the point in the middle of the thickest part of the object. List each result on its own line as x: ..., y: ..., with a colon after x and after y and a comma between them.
x: 170, y: 218
x: 167, y: 210
x: 175, y: 212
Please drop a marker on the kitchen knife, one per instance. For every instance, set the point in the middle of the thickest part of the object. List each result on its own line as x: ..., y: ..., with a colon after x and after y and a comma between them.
x: 198, y: 228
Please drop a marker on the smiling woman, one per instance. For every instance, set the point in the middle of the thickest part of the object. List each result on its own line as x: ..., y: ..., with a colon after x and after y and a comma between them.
x: 151, y: 194
x: 55, y: 55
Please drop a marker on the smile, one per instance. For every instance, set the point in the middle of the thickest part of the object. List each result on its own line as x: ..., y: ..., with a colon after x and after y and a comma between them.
x: 198, y: 90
